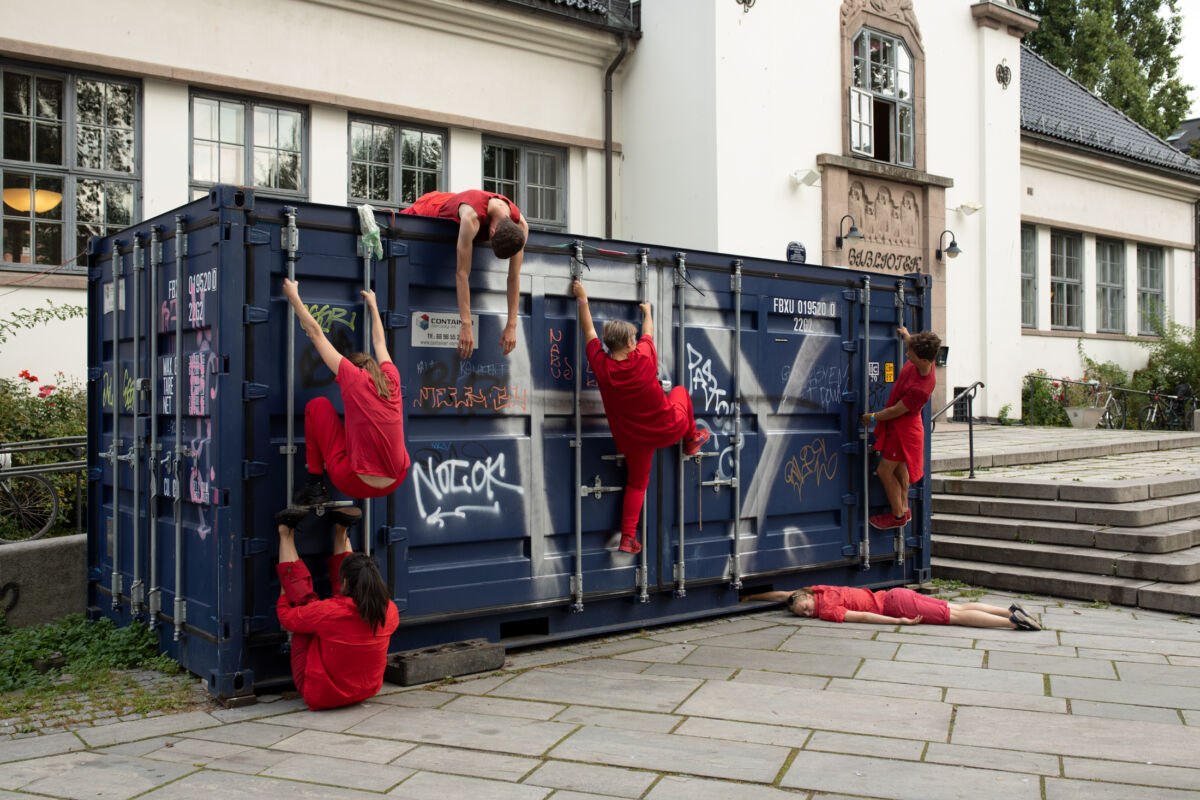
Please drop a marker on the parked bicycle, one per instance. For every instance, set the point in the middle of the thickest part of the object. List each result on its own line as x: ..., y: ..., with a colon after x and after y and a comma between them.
x: 28, y: 504
x: 1113, y: 417
x: 1168, y: 412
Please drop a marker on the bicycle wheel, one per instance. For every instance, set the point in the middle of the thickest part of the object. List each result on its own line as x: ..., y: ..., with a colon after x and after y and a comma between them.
x: 28, y: 508
x: 1149, y: 419
x: 1113, y: 417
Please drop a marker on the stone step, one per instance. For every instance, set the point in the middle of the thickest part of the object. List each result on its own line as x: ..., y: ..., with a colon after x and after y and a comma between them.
x: 1173, y: 597
x: 1109, y: 491
x: 1135, y: 514
x: 1111, y: 443
x: 1180, y: 567
x: 1166, y: 537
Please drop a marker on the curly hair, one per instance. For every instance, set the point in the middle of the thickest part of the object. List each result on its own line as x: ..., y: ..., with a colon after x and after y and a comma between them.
x: 508, y: 239
x: 925, y: 344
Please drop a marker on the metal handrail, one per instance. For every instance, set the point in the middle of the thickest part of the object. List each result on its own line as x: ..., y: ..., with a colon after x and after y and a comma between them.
x: 969, y: 393
x: 40, y: 445
x: 35, y: 445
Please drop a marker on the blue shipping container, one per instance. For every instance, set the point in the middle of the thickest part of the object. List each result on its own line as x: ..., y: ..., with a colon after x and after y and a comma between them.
x: 503, y: 527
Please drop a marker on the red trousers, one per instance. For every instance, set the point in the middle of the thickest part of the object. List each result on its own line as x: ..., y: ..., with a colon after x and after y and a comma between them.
x: 639, y: 459
x: 325, y: 451
x: 297, y: 585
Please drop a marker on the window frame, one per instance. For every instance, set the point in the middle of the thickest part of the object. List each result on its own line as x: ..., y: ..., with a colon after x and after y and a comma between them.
x: 1110, y: 286
x: 249, y: 104
x: 398, y: 127
x: 70, y: 259
x: 1029, y: 277
x: 522, y: 182
x: 1065, y: 284
x: 1145, y: 292
x: 860, y: 93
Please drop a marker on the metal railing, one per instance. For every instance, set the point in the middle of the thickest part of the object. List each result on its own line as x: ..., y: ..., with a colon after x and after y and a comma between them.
x: 1093, y: 395
x: 74, y: 445
x: 969, y: 394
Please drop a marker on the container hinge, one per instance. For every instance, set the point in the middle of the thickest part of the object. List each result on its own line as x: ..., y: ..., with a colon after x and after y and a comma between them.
x: 395, y: 249
x: 850, y: 550
x: 850, y: 499
x: 252, y: 315
x: 256, y: 236
x: 95, y: 474
x: 596, y: 489
x: 911, y: 542
x: 850, y: 295
x: 220, y: 365
x: 94, y: 373
x: 396, y: 320
x: 253, y: 469
x: 253, y: 625
x: 396, y: 535
x: 254, y: 391
x: 850, y: 347
x: 849, y: 397
x: 253, y: 547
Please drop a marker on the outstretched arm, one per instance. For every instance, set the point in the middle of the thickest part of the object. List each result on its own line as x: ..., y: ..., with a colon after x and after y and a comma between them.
x: 508, y: 339
x: 647, y: 320
x: 328, y: 353
x: 770, y: 597
x: 468, y: 227
x: 378, y: 338
x: 585, y: 313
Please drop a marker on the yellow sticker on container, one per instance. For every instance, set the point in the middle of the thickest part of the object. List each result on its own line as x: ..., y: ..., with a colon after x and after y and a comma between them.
x: 889, y: 371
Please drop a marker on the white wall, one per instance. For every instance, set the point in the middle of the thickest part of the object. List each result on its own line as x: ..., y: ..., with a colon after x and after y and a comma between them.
x: 46, y: 349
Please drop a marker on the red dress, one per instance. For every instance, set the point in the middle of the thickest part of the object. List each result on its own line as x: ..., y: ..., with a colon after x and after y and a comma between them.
x: 832, y: 602
x: 903, y: 438
x: 336, y: 658
x: 445, y: 205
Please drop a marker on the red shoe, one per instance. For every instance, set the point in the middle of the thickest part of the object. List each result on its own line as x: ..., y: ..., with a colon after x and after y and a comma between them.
x: 886, y: 521
x: 630, y: 544
x: 693, y: 443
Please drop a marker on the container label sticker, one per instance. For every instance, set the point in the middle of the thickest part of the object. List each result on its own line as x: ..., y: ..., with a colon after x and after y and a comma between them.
x: 889, y: 372
x: 108, y: 296
x: 438, y: 329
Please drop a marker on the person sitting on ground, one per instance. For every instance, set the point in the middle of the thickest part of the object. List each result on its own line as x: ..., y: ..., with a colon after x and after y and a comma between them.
x: 482, y: 217
x: 339, y: 645
x: 366, y: 457
x: 900, y: 432
x: 897, y: 606
x: 641, y: 416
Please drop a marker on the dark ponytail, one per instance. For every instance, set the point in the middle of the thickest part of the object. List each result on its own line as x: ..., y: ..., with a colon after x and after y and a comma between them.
x: 364, y: 361
x: 365, y: 586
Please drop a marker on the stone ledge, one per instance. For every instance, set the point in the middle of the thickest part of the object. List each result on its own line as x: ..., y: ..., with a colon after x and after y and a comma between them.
x: 48, y: 576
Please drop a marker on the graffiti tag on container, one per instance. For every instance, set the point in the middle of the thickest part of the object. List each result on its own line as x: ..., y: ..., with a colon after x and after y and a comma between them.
x: 494, y: 398
x: 812, y: 460
x: 457, y: 487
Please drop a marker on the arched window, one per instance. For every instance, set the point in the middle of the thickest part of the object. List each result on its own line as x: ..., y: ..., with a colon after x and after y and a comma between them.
x: 882, y: 118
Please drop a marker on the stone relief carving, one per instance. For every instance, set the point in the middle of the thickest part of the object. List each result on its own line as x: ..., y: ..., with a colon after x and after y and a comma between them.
x: 885, y: 220
x: 899, y: 10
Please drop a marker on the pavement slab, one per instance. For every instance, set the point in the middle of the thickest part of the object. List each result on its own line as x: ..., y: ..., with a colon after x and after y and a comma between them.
x: 617, y: 718
x: 1139, y: 694
x: 426, y: 785
x: 333, y: 720
x: 854, y: 744
x: 457, y: 729
x: 807, y: 641
x: 232, y: 786
x: 632, y: 692
x: 1052, y: 665
x: 502, y: 707
x: 339, y: 745
x: 993, y: 680
x: 680, y: 787
x: 338, y: 772
x: 1140, y: 774
x: 775, y: 661
x: 49, y: 745
x: 1090, y: 708
x: 456, y: 761
x: 1060, y: 789
x: 577, y: 777
x: 991, y: 758
x: 784, y: 736
x: 951, y: 656
x: 1020, y: 702
x: 84, y: 775
x: 145, y: 728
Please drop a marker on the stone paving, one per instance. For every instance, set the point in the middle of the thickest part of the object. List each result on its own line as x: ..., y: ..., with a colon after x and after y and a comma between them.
x: 1105, y: 703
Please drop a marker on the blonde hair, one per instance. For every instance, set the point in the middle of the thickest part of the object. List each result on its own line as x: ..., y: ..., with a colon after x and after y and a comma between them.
x: 617, y: 333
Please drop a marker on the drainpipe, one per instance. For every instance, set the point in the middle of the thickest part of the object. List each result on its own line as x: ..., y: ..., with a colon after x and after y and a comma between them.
x: 608, y: 137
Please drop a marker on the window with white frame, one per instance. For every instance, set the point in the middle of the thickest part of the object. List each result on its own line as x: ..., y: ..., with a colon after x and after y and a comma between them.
x: 68, y: 163
x: 248, y: 143
x: 882, y: 117
x: 1110, y: 286
x: 1150, y: 290
x: 391, y: 165
x: 1028, y: 276
x: 1066, y: 280
x: 532, y: 176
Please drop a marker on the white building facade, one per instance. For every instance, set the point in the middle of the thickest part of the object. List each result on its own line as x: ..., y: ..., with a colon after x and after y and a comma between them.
x: 734, y: 126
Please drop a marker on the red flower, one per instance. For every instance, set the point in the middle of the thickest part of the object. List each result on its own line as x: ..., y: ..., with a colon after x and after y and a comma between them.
x: 46, y: 390
x: 25, y: 374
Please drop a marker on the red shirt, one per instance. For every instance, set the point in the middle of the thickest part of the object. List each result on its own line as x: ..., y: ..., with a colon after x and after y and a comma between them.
x: 445, y: 205
x: 636, y: 406
x: 832, y: 602
x: 913, y: 389
x: 374, y: 425
x: 346, y: 658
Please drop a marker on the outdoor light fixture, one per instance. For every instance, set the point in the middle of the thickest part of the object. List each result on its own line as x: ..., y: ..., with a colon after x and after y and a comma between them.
x: 968, y: 208
x: 805, y: 177
x: 952, y: 251
x: 853, y: 233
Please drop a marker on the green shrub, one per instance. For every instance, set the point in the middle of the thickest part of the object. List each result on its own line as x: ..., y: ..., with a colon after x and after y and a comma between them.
x: 1044, y: 402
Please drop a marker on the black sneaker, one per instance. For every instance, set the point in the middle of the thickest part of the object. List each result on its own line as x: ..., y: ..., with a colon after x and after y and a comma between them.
x: 312, y: 493
x: 290, y: 516
x: 347, y: 517
x: 1024, y: 621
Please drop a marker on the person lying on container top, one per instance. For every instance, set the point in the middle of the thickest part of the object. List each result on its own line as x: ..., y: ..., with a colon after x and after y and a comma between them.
x: 482, y: 217
x: 897, y: 606
x: 339, y: 645
x: 366, y: 457
x: 641, y: 416
x: 900, y: 432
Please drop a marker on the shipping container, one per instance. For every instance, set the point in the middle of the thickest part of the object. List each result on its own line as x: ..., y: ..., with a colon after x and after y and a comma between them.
x: 198, y: 375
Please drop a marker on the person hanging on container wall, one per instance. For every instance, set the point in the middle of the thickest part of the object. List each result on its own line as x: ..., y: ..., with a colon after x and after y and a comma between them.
x: 366, y: 457
x: 482, y: 217
x: 897, y: 606
x: 899, y: 430
x: 641, y: 416
x: 339, y: 645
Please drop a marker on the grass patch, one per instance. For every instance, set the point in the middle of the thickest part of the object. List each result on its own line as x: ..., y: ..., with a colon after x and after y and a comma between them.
x: 1096, y: 604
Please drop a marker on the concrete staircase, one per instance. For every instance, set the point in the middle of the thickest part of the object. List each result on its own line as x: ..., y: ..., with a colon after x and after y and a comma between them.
x: 1123, y: 531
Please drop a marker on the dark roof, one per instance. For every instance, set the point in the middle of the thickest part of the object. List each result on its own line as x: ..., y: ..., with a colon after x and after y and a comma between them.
x: 1055, y: 107
x: 1187, y: 132
x: 619, y: 16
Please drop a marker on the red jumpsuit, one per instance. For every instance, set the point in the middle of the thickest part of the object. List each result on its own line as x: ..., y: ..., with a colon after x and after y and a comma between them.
x: 832, y: 602
x: 336, y: 658
x: 641, y: 416
x: 903, y: 438
x: 445, y: 205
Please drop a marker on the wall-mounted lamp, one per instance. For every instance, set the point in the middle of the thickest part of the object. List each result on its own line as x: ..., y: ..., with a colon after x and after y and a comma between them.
x: 853, y: 233
x: 969, y: 208
x: 952, y: 251
x: 805, y: 177
x: 746, y: 5
x: 41, y: 201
